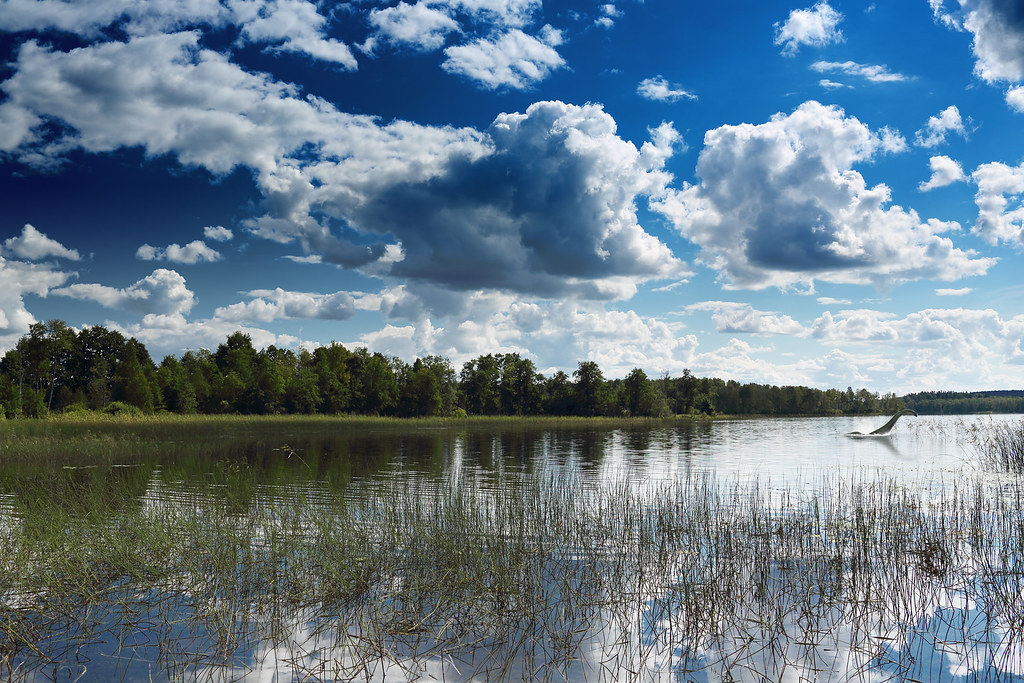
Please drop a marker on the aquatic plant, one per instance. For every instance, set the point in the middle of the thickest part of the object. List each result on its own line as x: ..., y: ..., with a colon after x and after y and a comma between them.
x: 544, y: 577
x: 1000, y: 445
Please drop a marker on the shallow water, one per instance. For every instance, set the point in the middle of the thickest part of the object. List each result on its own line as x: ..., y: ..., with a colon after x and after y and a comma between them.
x: 951, y: 636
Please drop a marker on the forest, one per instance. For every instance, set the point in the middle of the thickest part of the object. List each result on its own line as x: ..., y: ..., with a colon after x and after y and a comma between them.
x: 966, y: 403
x: 56, y: 369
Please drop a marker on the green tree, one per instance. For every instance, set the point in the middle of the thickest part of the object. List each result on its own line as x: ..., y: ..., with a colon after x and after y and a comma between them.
x: 330, y: 364
x: 420, y: 391
x: 590, y: 391
x: 519, y: 390
x: 479, y: 383
x: 641, y: 396
x: 131, y: 385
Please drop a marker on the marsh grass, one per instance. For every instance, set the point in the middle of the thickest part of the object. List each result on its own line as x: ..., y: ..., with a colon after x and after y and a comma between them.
x: 546, y: 577
x: 999, y: 445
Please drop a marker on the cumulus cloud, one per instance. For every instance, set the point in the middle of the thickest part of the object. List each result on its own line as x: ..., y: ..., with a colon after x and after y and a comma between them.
x: 961, y: 291
x: 513, y: 59
x: 735, y: 318
x: 194, y: 252
x: 34, y: 245
x: 166, y: 95
x: 998, y: 30
x: 935, y: 131
x: 560, y: 332
x: 660, y: 90
x: 779, y: 204
x: 169, y: 333
x: 18, y: 279
x: 815, y: 26
x: 871, y: 72
x: 609, y: 13
x: 88, y: 19
x: 291, y: 26
x: 945, y: 171
x: 1000, y: 200
x: 1015, y: 98
x: 423, y: 26
x: 500, y: 12
x: 268, y: 305
x: 950, y: 347
x: 217, y: 233
x: 163, y: 292
x: 543, y: 201
x: 283, y: 25
x: 550, y: 211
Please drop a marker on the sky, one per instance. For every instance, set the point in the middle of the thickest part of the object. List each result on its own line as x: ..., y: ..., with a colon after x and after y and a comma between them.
x: 820, y: 194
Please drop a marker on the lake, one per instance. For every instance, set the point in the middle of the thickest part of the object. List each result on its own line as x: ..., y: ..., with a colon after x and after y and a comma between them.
x: 756, y: 549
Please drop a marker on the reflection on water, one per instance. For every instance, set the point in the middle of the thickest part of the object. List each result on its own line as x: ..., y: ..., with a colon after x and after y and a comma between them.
x: 746, y: 550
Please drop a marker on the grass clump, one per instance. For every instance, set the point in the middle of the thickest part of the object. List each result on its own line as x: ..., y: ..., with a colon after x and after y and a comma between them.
x: 1000, y: 445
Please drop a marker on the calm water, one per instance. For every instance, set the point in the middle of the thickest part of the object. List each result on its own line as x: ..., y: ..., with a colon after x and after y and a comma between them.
x: 795, y: 456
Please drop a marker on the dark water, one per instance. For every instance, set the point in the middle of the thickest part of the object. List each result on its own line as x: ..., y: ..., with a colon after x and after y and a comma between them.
x: 953, y: 642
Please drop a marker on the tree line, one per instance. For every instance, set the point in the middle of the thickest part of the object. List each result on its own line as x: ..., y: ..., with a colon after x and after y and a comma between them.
x: 965, y: 403
x: 54, y: 368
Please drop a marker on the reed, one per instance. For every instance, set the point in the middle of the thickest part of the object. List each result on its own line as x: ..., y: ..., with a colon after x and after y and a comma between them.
x: 212, y: 574
x: 545, y: 578
x: 999, y: 445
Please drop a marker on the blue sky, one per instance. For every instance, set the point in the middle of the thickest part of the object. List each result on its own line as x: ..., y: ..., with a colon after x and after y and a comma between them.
x: 824, y: 194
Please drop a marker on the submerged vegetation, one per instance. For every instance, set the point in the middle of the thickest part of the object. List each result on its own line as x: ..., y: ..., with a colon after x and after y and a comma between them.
x: 138, y: 550
x: 544, y: 578
x: 55, y: 369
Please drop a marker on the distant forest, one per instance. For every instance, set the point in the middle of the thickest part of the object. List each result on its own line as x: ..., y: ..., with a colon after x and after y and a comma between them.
x: 55, y: 369
x: 963, y: 403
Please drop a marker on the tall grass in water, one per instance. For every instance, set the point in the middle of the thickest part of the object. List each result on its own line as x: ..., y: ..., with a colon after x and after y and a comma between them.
x: 545, y: 578
x: 1000, y: 445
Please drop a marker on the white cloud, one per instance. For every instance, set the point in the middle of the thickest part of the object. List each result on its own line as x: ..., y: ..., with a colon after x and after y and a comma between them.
x: 661, y: 90
x: 1015, y: 98
x: 1000, y: 200
x: 292, y: 26
x: 567, y: 224
x: 735, y: 318
x: 998, y: 29
x: 268, y: 305
x: 87, y: 19
x: 958, y: 330
x: 166, y: 95
x: 609, y: 13
x: 815, y: 26
x: 17, y: 279
x: 34, y: 245
x: 945, y: 171
x: 935, y: 131
x: 217, y: 233
x: 779, y: 204
x: 192, y: 253
x: 550, y: 211
x: 832, y: 85
x: 499, y: 12
x: 962, y: 291
x: 423, y: 26
x: 169, y: 333
x: 288, y: 25
x: 512, y: 60
x: 560, y: 333
x: 871, y: 72
x: 163, y: 293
